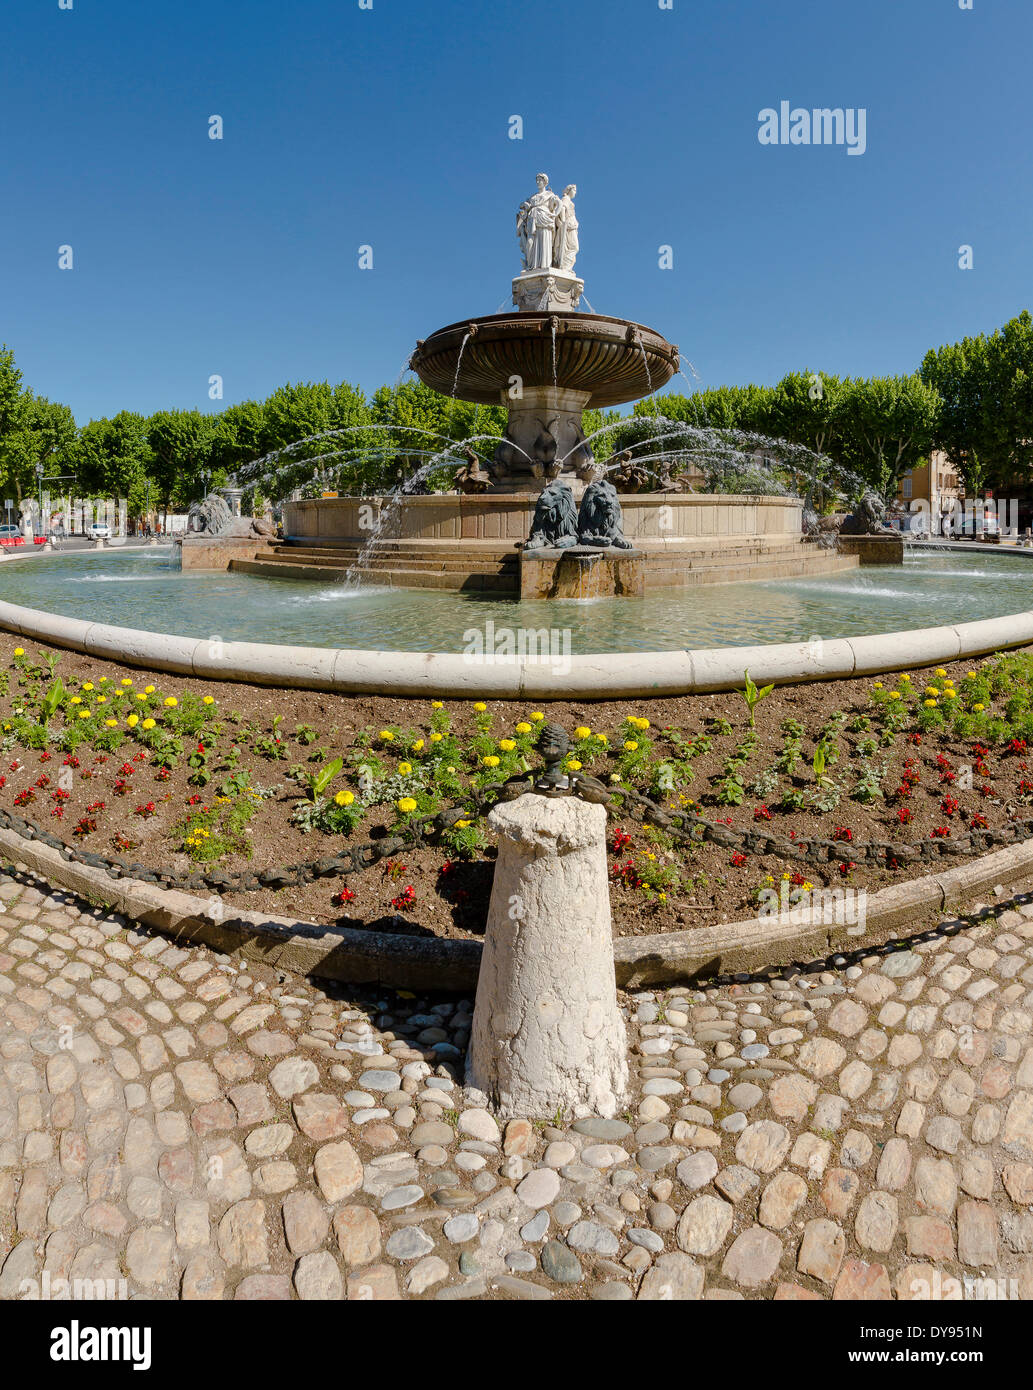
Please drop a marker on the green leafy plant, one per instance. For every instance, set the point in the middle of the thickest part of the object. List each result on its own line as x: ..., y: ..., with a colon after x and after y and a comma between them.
x: 52, y: 700
x: 753, y: 696
x: 317, y: 782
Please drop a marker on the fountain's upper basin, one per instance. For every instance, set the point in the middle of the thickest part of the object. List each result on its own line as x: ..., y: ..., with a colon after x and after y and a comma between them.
x: 612, y: 360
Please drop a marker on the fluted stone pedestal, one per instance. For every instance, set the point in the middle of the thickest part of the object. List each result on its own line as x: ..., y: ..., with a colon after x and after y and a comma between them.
x: 547, y: 1032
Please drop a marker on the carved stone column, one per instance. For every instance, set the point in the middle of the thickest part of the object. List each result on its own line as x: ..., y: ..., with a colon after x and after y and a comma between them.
x: 547, y: 1032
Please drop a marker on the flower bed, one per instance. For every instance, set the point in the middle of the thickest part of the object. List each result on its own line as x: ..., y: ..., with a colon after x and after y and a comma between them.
x: 180, y: 773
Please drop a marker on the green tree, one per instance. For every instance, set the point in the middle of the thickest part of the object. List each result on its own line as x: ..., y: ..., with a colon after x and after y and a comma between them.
x: 804, y: 408
x: 180, y: 442
x: 886, y: 425
x: 237, y: 436
x: 110, y: 457
x: 986, y: 419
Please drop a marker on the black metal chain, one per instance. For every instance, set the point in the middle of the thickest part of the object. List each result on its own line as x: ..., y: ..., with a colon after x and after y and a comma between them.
x: 802, y: 849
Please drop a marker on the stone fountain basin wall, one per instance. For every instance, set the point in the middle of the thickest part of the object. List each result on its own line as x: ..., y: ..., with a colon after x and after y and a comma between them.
x: 667, y: 517
x: 598, y: 676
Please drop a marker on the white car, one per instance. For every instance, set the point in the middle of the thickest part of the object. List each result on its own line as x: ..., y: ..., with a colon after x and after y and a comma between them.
x: 99, y: 531
x: 9, y: 532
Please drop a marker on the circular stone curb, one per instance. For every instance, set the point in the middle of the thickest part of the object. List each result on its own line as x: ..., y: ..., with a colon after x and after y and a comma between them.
x: 598, y: 676
x: 420, y: 962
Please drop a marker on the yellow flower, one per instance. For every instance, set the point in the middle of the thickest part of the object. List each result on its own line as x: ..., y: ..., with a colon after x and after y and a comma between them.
x: 170, y: 702
x: 630, y: 744
x: 480, y: 706
x: 894, y: 694
x: 404, y: 769
x: 133, y: 720
x: 103, y: 680
x: 979, y: 708
x: 573, y: 764
x: 19, y: 651
x: 507, y: 745
x: 582, y: 731
x: 76, y: 700
x: 386, y: 735
x: 537, y: 716
x: 906, y: 678
x: 641, y: 723
x: 208, y: 700
x: 931, y: 690
x: 929, y: 704
x: 523, y: 727
x: 877, y: 685
x: 462, y: 825
x: 88, y: 685
x: 950, y: 694
x: 344, y: 798
x: 615, y: 777
x: 126, y: 681
x: 148, y: 724
x: 450, y: 769
x: 102, y: 699
x: 140, y: 695
x: 602, y: 738
x: 149, y: 689
x: 111, y: 723
x: 437, y: 704
x: 490, y: 760
x: 418, y: 746
x: 84, y: 714
x: 939, y: 671
x: 436, y: 738
x: 406, y: 804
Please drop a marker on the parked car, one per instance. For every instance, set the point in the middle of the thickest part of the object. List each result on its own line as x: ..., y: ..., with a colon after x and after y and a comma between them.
x: 11, y: 535
x: 99, y: 531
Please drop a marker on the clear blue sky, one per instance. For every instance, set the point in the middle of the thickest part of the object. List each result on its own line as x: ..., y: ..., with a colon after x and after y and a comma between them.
x: 390, y: 127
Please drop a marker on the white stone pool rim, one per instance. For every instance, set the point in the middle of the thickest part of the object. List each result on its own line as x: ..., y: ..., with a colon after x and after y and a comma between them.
x: 593, y: 676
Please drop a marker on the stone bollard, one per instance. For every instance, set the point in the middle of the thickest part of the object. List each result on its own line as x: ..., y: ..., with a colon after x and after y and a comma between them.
x: 547, y: 1032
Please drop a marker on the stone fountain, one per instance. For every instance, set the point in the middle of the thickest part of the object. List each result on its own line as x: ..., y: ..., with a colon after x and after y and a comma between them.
x: 547, y: 362
x: 541, y: 516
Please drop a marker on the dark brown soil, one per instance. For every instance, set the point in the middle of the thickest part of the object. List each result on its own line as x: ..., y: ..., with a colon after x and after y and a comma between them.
x: 714, y: 884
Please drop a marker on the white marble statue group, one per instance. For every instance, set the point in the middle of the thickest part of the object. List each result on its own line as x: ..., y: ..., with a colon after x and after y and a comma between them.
x: 547, y: 228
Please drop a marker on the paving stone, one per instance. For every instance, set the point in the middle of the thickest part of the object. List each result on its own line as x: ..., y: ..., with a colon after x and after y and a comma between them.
x: 821, y: 1250
x: 704, y: 1225
x: 752, y: 1258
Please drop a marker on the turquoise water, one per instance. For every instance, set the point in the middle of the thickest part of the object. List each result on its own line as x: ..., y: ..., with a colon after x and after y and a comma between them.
x: 145, y: 589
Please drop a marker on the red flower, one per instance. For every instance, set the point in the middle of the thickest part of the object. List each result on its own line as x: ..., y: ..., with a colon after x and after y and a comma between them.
x: 905, y: 815
x: 949, y: 805
x: 737, y: 860
x: 843, y: 832
x: 942, y: 832
x: 761, y: 813
x: 978, y: 822
x: 621, y: 840
x: 344, y: 896
x: 406, y: 898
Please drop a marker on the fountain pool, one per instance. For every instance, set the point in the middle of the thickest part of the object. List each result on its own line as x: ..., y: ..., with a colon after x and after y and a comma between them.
x: 145, y: 589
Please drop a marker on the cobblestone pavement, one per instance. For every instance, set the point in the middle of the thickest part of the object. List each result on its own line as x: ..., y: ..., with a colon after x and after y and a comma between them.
x: 200, y: 1132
